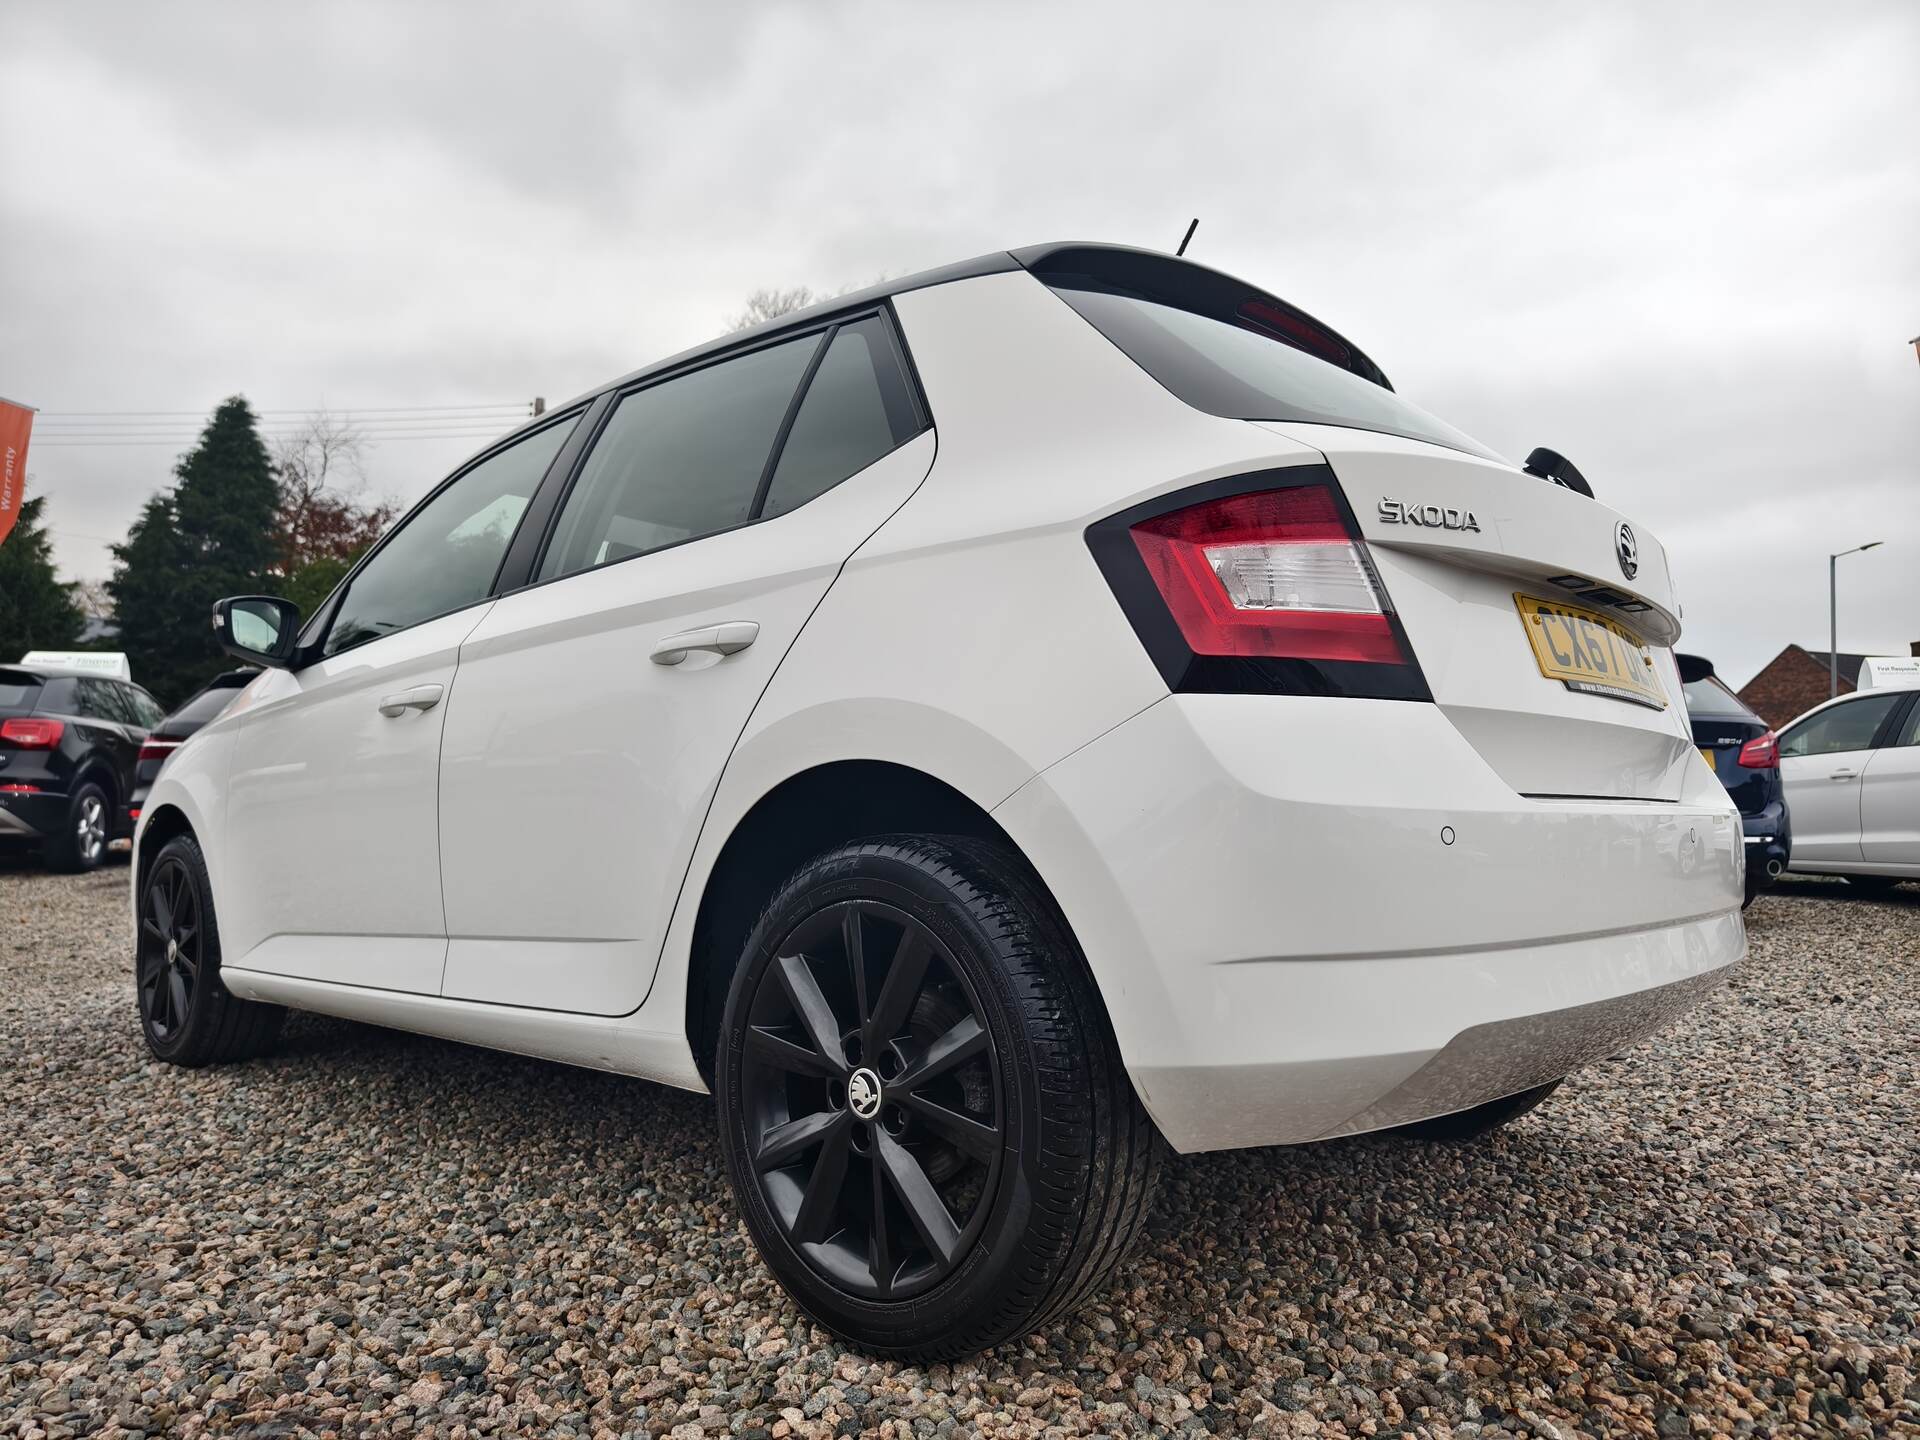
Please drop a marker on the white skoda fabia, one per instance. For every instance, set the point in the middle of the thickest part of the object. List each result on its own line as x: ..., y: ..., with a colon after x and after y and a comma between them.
x: 984, y: 728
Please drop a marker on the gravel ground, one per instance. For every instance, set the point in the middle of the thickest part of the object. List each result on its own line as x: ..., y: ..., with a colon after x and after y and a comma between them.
x: 377, y: 1234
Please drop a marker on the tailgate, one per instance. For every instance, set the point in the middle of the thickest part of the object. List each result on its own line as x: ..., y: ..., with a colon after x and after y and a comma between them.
x: 1464, y: 546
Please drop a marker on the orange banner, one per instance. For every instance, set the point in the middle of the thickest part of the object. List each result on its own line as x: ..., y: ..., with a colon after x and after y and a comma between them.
x: 16, y: 424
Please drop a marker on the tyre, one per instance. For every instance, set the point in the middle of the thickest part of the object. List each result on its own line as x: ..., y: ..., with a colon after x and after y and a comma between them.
x: 186, y: 1014
x: 1480, y: 1120
x: 82, y: 841
x: 1872, y: 884
x: 922, y: 1107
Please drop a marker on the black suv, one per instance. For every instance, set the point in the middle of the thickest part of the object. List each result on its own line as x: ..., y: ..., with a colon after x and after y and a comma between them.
x: 1745, y: 754
x: 204, y: 707
x: 68, y: 747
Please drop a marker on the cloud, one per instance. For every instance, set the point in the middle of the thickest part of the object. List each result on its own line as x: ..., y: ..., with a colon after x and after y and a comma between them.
x: 1677, y: 244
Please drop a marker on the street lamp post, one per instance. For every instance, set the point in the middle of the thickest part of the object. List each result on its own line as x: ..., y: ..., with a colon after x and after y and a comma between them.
x: 1833, y: 615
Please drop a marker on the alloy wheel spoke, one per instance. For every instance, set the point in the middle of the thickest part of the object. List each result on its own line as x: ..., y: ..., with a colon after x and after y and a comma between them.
x: 853, y: 940
x: 879, y: 1243
x: 966, y: 1039
x: 162, y: 912
x: 811, y: 1008
x: 928, y: 1212
x: 151, y: 927
x: 784, y: 1144
x: 971, y: 1136
x: 820, y: 1204
x: 783, y: 1054
x: 176, y: 996
x: 898, y: 991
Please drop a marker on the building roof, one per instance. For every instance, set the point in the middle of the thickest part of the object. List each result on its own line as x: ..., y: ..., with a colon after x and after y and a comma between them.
x: 1849, y: 665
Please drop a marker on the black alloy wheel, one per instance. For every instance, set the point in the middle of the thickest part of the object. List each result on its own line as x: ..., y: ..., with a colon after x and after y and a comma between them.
x: 873, y: 1100
x: 924, y: 1113
x: 187, y: 1014
x: 168, y: 969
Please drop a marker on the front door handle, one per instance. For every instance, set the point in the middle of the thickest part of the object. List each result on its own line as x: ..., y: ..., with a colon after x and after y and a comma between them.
x: 1843, y: 775
x: 420, y: 697
x: 728, y: 638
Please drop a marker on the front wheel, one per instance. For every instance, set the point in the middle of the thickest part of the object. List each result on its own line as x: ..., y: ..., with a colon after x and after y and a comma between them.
x: 922, y: 1107
x: 186, y: 1014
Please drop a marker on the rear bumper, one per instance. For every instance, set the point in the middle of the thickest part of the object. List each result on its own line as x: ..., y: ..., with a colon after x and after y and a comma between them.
x: 1767, y: 838
x: 31, y: 818
x: 1313, y: 917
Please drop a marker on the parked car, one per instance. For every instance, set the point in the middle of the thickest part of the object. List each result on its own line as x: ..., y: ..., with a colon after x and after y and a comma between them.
x: 1743, y: 751
x: 1207, y: 748
x: 166, y: 737
x: 1852, y: 773
x: 68, y: 744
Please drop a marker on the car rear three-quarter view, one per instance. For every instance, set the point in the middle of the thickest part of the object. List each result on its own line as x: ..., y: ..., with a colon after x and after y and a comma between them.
x: 988, y: 729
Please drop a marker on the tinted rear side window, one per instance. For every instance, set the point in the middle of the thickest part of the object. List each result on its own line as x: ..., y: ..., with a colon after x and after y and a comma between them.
x: 680, y: 459
x: 1241, y: 367
x: 857, y: 408
x: 18, y: 691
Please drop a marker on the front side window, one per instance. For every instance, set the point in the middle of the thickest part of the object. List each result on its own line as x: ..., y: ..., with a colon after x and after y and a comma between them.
x: 857, y: 408
x: 97, y: 701
x: 680, y: 459
x: 1843, y: 727
x: 446, y: 553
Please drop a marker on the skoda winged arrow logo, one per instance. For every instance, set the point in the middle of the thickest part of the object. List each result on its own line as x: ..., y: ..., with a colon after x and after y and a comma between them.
x: 1626, y: 549
x: 863, y: 1093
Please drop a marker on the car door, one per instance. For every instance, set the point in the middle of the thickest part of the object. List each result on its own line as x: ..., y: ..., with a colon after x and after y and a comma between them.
x: 1821, y: 760
x: 112, y: 729
x: 1890, y: 796
x: 332, y: 848
x: 597, y: 707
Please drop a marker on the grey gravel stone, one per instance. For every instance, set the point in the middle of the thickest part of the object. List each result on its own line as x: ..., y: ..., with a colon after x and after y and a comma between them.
x: 1717, y: 1232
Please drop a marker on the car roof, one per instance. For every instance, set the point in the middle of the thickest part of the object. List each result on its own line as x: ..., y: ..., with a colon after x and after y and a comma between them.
x: 58, y: 672
x: 994, y: 262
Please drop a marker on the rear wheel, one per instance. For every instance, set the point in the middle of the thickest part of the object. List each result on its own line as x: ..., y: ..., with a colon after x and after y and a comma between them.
x: 922, y: 1108
x: 1480, y: 1120
x: 1872, y: 884
x: 186, y: 1014
x: 82, y: 841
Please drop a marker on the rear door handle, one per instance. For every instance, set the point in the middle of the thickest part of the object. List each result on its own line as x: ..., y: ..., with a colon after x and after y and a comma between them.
x: 728, y: 638
x: 1843, y: 775
x: 420, y: 697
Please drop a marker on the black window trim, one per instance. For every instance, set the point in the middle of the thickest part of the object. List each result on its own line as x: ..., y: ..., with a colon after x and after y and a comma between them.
x: 825, y: 327
x: 1882, y: 736
x: 314, y: 633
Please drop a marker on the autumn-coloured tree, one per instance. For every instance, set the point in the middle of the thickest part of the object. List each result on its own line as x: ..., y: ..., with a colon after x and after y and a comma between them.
x: 322, y: 525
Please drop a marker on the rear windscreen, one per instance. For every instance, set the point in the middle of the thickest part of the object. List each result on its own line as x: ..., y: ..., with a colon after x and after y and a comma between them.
x: 1252, y: 367
x: 1710, y: 697
x: 18, y: 691
x: 207, y: 704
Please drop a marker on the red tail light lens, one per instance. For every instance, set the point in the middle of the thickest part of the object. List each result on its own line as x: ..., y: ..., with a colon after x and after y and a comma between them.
x: 152, y: 749
x: 1276, y: 573
x: 31, y: 734
x: 1762, y: 752
x: 19, y: 789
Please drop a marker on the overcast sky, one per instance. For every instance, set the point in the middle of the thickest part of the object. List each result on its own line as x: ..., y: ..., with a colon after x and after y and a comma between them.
x: 1681, y: 244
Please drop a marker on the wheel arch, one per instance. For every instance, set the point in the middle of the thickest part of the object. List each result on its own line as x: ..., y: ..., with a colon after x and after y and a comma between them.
x: 803, y: 815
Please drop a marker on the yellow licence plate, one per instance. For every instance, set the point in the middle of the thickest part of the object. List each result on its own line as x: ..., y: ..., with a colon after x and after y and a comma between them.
x: 1707, y: 755
x: 1587, y: 651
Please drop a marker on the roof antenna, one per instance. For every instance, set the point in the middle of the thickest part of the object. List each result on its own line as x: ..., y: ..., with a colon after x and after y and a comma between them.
x: 1191, y: 227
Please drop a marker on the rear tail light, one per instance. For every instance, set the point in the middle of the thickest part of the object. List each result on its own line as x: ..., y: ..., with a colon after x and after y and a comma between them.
x: 152, y: 749
x: 1275, y: 573
x: 19, y: 789
x: 1762, y: 752
x: 32, y: 734
x: 1258, y: 584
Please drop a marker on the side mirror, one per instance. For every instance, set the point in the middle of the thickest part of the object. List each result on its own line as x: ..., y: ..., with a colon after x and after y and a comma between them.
x: 260, y: 629
x: 1693, y: 668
